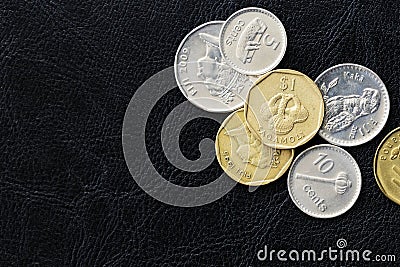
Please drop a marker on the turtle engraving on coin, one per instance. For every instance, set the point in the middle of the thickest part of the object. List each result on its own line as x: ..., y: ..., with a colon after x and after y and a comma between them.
x: 356, y: 104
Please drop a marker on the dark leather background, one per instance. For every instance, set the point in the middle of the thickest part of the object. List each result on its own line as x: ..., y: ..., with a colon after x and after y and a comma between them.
x: 68, y: 70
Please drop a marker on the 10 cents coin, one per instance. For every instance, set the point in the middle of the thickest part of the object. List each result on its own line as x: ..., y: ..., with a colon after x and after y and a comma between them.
x: 324, y: 181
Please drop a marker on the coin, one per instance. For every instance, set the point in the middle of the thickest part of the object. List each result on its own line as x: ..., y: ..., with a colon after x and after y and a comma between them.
x: 203, y: 75
x: 356, y: 104
x: 387, y: 166
x: 244, y: 158
x: 253, y: 41
x: 324, y: 181
x: 287, y: 102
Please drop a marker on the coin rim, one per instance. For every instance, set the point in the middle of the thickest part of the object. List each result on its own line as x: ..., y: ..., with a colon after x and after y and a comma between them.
x: 191, y: 100
x: 341, y: 142
x: 353, y: 199
x: 375, y: 164
x: 305, y: 138
x: 263, y: 182
x: 265, y: 69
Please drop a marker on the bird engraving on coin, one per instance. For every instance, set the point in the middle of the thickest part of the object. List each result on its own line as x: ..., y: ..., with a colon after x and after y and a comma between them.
x: 343, y: 110
x: 356, y: 104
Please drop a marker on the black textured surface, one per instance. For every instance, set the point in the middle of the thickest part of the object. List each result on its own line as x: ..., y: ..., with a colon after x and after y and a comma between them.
x: 68, y: 70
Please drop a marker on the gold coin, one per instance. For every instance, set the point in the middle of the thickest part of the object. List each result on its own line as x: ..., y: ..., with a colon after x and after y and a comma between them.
x: 284, y: 108
x: 387, y: 166
x: 245, y: 158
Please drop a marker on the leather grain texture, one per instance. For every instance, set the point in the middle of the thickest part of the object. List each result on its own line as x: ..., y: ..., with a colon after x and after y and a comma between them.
x: 68, y: 70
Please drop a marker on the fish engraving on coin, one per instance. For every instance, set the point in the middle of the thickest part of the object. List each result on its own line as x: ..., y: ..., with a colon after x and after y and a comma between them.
x: 356, y: 104
x: 203, y: 75
x: 324, y: 181
x: 244, y: 158
x: 387, y: 166
x: 253, y: 41
x: 288, y: 103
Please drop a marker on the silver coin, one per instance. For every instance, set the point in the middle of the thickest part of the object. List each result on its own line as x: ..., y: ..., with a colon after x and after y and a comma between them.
x: 324, y: 181
x: 202, y: 74
x: 356, y: 104
x: 253, y: 41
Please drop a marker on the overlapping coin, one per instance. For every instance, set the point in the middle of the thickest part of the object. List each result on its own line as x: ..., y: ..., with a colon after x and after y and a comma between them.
x: 216, y: 67
x: 387, y: 166
x: 357, y: 104
x: 285, y: 102
x: 203, y: 75
x: 324, y: 181
x: 245, y: 158
x: 253, y: 41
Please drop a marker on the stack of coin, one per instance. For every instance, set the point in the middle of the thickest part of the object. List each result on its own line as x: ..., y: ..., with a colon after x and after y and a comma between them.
x: 227, y: 66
